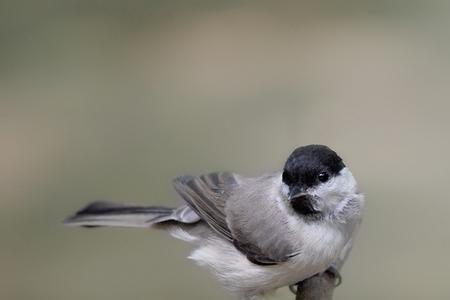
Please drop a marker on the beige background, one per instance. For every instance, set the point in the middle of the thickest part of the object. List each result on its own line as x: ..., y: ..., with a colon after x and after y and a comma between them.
x: 112, y: 99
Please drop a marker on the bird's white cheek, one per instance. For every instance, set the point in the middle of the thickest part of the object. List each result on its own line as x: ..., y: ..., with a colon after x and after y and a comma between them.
x: 346, y: 183
x: 326, y: 197
x: 340, y: 186
x: 284, y: 190
x: 336, y: 190
x: 328, y: 190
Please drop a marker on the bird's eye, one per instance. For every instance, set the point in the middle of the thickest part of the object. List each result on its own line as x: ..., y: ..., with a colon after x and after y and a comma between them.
x: 323, y: 177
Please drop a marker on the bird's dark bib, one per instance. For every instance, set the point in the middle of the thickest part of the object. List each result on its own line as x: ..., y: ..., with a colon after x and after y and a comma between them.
x: 303, y: 206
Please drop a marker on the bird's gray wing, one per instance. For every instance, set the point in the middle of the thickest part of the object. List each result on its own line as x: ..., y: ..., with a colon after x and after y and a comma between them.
x: 207, y: 195
x: 261, y: 223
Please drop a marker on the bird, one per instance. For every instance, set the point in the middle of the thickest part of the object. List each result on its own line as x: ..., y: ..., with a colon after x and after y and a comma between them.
x: 255, y: 234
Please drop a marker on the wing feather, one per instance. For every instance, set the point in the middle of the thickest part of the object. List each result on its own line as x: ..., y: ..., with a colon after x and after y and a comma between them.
x: 207, y: 196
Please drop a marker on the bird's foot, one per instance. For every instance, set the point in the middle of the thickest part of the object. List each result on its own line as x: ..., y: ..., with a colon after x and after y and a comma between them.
x: 333, y: 272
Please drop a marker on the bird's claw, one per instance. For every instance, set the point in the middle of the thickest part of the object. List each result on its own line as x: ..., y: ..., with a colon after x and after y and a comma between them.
x: 335, y: 274
x: 293, y: 288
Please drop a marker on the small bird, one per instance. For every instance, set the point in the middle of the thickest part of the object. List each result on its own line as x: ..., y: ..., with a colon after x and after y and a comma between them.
x: 256, y: 234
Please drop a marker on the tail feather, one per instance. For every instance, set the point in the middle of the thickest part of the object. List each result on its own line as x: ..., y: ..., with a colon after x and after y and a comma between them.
x: 102, y: 213
x: 112, y: 214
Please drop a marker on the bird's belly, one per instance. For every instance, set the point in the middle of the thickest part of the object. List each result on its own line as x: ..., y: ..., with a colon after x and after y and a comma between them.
x: 241, y: 276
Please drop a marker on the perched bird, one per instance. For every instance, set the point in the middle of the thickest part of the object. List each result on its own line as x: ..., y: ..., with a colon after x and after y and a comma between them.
x: 256, y: 234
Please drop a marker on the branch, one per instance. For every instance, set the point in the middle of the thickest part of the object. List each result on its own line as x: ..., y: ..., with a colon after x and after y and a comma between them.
x: 318, y: 287
x: 322, y: 285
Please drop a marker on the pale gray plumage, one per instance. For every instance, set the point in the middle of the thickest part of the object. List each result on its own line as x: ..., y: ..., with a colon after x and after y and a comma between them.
x: 248, y: 231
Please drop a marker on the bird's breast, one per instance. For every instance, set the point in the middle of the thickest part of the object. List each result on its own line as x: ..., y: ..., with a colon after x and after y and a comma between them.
x: 320, y: 246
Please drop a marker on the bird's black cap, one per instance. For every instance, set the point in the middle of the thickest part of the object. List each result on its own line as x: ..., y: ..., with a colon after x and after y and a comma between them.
x: 310, y: 165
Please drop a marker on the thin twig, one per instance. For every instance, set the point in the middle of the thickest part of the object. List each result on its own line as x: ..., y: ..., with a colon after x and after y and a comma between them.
x: 318, y: 287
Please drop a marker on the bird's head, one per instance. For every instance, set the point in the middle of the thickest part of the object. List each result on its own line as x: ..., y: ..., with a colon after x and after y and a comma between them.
x: 316, y: 182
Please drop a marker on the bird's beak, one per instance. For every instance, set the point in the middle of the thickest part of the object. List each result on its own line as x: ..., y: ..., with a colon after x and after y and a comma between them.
x: 297, y: 195
x: 302, y: 203
x: 296, y: 192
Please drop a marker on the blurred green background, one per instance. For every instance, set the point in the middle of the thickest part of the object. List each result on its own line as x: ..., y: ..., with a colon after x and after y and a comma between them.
x: 112, y: 99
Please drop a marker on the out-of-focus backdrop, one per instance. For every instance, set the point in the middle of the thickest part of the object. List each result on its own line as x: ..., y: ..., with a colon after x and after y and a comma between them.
x: 112, y: 99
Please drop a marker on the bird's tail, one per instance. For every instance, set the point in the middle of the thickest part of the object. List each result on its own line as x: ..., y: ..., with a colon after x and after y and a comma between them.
x: 120, y: 215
